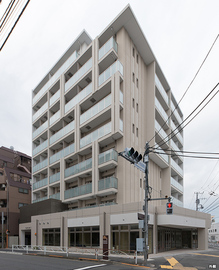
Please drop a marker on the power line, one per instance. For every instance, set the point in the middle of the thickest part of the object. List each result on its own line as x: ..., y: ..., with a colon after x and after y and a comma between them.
x: 188, y: 86
x: 181, y: 128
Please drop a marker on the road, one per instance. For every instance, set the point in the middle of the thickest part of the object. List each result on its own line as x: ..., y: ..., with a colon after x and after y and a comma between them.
x: 189, y: 261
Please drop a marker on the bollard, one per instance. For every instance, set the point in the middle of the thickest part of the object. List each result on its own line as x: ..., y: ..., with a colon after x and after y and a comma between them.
x: 44, y: 250
x: 27, y: 249
x: 96, y: 253
x: 136, y: 257
x: 67, y: 252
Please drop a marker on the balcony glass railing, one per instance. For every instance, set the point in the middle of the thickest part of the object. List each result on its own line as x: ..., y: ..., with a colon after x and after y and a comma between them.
x: 106, y: 183
x: 117, y: 66
x: 110, y: 44
x: 54, y: 178
x: 40, y: 165
x: 162, y: 153
x: 78, y: 98
x: 160, y: 130
x: 161, y: 89
x: 100, y: 106
x: 63, y: 153
x: 55, y: 196
x: 62, y: 132
x: 95, y: 135
x: 40, y: 111
x: 67, y: 63
x: 177, y: 202
x: 40, y: 147
x: 176, y: 114
x: 78, y: 168
x: 41, y: 183
x: 40, y: 129
x: 54, y: 97
x: 178, y: 135
x: 176, y: 167
x: 78, y: 191
x: 84, y: 69
x: 40, y: 199
x: 161, y: 109
x: 174, y: 146
x: 107, y: 156
x: 55, y: 117
x: 176, y: 184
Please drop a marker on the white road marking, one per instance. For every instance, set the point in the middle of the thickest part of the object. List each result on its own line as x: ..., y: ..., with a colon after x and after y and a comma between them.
x: 89, y: 267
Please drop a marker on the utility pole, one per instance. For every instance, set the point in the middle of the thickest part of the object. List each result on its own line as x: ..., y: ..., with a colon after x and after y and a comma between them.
x: 197, y: 201
x: 146, y: 161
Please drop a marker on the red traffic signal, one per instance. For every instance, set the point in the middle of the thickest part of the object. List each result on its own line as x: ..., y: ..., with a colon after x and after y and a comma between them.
x: 169, y: 208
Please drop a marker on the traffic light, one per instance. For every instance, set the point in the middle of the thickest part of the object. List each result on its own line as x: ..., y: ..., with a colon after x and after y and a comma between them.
x: 132, y: 155
x: 169, y: 209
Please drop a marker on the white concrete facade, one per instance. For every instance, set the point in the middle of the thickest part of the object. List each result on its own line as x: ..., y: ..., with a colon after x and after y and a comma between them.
x: 104, y: 95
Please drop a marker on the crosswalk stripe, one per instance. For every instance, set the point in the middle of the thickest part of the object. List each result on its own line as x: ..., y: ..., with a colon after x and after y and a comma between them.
x: 91, y: 266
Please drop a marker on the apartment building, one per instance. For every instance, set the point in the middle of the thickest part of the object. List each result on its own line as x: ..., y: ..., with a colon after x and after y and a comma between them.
x: 15, y: 189
x: 102, y: 96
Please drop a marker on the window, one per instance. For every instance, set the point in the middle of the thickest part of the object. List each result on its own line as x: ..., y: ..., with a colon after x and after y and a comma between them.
x: 137, y: 58
x: 133, y: 128
x: 137, y: 107
x: 133, y: 103
x: 22, y: 204
x: 133, y: 52
x: 137, y: 132
x: 137, y: 83
x: 84, y: 236
x: 133, y: 77
x: 51, y: 237
x: 23, y: 190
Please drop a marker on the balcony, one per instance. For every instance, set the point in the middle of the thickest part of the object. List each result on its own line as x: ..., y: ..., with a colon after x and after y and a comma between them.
x: 177, y: 202
x: 161, y: 110
x: 67, y: 63
x: 121, y: 96
x: 160, y: 131
x: 78, y: 168
x: 40, y: 111
x: 176, y: 114
x: 95, y: 135
x: 110, y: 44
x: 107, y: 186
x: 160, y: 158
x: 40, y: 129
x: 63, y: 153
x: 176, y: 132
x: 176, y: 185
x: 40, y: 147
x: 78, y: 191
x: 161, y: 89
x: 54, y: 178
x: 54, y: 118
x: 83, y: 70
x: 3, y: 194
x: 41, y: 183
x: 176, y: 167
x: 55, y: 196
x: 78, y: 98
x: 117, y: 66
x: 62, y: 132
x: 108, y: 160
x: 97, y: 108
x: 40, y: 199
x: 40, y: 165
x: 55, y: 97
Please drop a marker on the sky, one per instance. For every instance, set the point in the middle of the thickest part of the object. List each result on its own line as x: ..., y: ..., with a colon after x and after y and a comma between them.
x: 180, y: 33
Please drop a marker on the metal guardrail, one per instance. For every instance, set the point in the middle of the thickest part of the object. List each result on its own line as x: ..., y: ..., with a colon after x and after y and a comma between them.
x: 96, y: 252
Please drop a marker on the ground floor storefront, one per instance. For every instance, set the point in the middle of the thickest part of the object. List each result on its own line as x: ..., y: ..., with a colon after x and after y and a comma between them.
x: 87, y: 227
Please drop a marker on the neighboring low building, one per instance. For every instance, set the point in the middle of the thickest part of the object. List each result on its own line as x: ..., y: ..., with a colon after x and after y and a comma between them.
x: 101, y: 96
x: 15, y: 188
x: 213, y: 233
